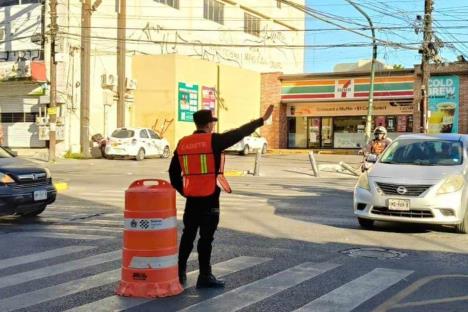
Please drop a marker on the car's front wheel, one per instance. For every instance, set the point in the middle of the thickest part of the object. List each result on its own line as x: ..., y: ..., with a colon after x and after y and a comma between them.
x: 366, y: 223
x: 462, y: 228
x: 246, y: 150
x: 166, y: 153
x: 34, y: 212
x: 264, y: 149
x: 140, y: 155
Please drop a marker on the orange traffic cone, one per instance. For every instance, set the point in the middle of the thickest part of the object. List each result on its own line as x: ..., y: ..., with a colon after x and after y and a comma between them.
x: 149, y: 265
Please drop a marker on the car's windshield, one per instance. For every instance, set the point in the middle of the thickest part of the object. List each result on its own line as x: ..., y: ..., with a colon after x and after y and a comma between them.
x: 424, y: 152
x: 123, y: 134
x: 4, y: 154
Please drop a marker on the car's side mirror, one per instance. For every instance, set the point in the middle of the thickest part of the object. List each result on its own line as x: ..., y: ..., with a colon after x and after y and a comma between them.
x: 372, y: 158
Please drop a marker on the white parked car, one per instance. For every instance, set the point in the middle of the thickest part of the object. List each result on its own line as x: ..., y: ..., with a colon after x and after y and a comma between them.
x: 418, y: 179
x: 250, y: 144
x: 138, y: 143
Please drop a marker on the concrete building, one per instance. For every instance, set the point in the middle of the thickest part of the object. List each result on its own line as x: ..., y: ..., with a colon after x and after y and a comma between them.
x: 22, y: 72
x: 250, y: 35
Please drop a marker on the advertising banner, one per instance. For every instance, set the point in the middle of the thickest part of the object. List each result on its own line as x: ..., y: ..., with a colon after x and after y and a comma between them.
x: 187, y: 101
x: 443, y: 104
x: 209, y: 99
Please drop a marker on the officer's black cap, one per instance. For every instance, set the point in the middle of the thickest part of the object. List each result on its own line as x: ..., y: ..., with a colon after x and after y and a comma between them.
x: 203, y: 117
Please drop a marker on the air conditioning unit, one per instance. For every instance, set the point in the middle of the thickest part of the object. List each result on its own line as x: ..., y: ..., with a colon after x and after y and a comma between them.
x: 131, y: 84
x: 107, y: 80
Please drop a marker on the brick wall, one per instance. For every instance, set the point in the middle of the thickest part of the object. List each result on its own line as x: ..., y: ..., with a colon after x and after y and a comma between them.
x: 276, y: 133
x: 463, y: 122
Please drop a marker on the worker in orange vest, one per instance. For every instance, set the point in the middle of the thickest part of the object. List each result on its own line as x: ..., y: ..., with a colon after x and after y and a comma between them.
x: 379, y: 143
x: 196, y: 170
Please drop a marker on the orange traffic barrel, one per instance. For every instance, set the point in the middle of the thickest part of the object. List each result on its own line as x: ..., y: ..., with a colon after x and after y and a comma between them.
x: 149, y: 262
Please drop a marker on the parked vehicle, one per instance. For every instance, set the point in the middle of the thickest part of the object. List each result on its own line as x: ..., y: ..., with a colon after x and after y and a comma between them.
x: 137, y: 143
x: 418, y: 179
x: 250, y: 144
x: 101, y: 142
x: 26, y: 189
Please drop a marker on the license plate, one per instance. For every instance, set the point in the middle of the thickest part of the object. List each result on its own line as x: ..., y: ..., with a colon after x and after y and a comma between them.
x: 399, y: 204
x: 40, y: 195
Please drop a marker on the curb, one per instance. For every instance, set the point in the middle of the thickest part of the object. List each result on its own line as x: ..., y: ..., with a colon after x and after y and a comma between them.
x: 305, y: 151
x: 61, y: 186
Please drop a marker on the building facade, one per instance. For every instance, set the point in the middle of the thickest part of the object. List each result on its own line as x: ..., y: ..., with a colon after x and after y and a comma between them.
x: 22, y: 72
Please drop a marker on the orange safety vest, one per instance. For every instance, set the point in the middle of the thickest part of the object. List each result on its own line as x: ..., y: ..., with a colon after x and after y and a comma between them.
x: 197, y: 161
x: 378, y: 146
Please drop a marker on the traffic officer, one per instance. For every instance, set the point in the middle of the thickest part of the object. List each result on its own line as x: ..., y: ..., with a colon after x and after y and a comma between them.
x: 379, y: 143
x: 195, y: 169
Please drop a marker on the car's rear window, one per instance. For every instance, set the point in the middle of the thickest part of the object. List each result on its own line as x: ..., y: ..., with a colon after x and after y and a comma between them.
x: 123, y: 134
x: 424, y: 153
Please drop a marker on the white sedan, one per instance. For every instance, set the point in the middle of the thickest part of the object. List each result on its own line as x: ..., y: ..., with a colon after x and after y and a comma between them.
x: 138, y: 143
x: 250, y: 144
x: 418, y: 179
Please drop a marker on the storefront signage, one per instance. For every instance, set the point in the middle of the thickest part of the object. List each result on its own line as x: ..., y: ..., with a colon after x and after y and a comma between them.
x: 187, y: 101
x: 348, y: 88
x: 346, y: 109
x: 444, y: 99
x: 209, y: 98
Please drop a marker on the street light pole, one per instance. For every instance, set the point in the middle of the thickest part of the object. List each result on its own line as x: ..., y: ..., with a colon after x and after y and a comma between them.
x: 370, y: 106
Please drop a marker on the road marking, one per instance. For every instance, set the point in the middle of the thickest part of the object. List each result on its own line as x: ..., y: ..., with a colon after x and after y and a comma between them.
x: 85, y: 221
x: 55, y: 235
x: 26, y: 300
x: 116, y: 303
x: 60, y: 268
x: 71, y: 227
x: 14, y: 261
x: 249, y: 294
x: 353, y: 294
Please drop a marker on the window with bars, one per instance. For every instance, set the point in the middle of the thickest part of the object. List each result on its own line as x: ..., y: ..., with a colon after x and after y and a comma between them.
x: 251, y: 24
x: 214, y: 11
x: 172, y: 3
x: 18, y: 117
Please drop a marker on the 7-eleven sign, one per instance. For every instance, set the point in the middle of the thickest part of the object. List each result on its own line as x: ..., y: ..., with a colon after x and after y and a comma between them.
x: 344, y: 88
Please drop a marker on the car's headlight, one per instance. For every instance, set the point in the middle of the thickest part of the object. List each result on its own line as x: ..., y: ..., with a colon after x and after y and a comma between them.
x: 48, y: 173
x: 6, y: 179
x: 363, y: 181
x: 451, y: 184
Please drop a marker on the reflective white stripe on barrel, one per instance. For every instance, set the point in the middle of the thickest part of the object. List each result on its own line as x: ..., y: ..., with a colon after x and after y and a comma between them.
x: 153, y: 262
x: 150, y: 224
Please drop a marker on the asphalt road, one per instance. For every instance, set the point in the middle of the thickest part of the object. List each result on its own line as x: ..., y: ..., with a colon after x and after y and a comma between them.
x: 287, y: 241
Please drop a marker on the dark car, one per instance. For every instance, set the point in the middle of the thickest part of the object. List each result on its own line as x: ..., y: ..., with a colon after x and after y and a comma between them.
x: 25, y: 188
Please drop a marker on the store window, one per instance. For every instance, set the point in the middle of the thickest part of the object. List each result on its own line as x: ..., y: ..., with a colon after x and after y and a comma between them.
x: 297, y: 132
x: 349, y: 132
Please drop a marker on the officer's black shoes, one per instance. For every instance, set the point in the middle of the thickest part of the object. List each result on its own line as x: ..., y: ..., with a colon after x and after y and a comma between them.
x: 183, y: 278
x: 209, y: 281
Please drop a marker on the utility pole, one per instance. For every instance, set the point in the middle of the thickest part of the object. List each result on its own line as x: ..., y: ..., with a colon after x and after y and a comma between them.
x: 425, y: 69
x: 53, y: 81
x: 121, y: 54
x: 370, y: 105
x: 85, y: 79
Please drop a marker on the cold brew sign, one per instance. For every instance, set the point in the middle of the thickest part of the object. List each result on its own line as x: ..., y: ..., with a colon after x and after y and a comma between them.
x: 444, y: 94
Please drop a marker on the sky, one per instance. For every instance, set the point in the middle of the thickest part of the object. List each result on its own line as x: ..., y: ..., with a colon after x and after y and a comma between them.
x: 450, y: 25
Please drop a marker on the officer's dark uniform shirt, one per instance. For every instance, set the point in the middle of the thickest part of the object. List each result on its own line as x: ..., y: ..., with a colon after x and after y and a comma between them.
x: 220, y: 142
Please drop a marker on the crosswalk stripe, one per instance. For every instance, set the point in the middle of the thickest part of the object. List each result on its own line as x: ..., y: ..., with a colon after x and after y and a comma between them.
x: 86, y: 221
x: 14, y: 261
x: 58, y: 291
x: 116, y: 303
x: 351, y: 295
x: 57, y: 269
x: 71, y: 227
x: 249, y: 294
x: 56, y: 235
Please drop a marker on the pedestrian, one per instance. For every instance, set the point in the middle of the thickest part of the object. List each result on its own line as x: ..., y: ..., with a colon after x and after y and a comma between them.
x: 195, y: 169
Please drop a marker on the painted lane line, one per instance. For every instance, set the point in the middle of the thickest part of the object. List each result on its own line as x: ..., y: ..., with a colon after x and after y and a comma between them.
x: 57, y: 235
x: 14, y: 261
x: 249, y: 294
x: 116, y: 303
x: 56, y: 269
x: 351, y: 295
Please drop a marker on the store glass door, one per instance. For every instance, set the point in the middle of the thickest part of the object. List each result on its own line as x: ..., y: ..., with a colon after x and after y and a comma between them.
x: 327, y: 132
x: 314, y: 132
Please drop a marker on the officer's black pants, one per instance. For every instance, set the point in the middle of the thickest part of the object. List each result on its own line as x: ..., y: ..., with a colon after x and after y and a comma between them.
x: 207, y: 221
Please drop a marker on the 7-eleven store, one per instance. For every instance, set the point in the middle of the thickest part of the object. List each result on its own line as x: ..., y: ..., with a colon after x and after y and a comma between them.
x: 328, y: 111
